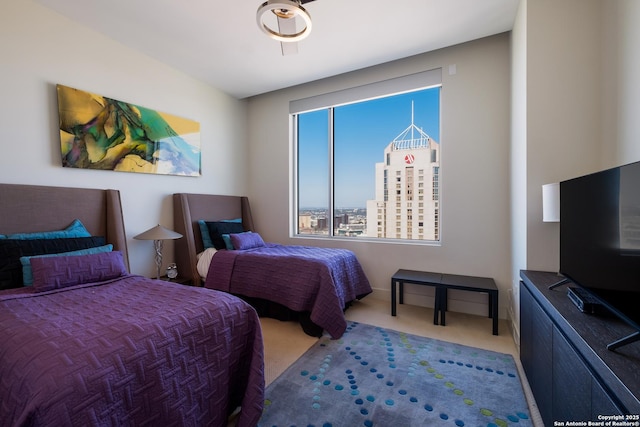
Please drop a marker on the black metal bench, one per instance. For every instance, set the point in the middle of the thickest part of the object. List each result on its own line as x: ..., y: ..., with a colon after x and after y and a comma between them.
x: 442, y: 283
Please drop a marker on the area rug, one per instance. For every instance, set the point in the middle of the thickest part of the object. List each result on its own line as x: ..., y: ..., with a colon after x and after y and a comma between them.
x: 379, y: 377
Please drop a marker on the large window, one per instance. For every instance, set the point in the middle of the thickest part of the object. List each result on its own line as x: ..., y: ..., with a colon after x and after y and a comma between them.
x: 370, y: 169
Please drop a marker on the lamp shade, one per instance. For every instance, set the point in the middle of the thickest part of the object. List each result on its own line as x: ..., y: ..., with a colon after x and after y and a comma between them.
x: 551, y: 202
x: 158, y: 233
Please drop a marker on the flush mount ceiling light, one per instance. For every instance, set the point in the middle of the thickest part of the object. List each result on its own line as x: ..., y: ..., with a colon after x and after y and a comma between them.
x: 285, y: 12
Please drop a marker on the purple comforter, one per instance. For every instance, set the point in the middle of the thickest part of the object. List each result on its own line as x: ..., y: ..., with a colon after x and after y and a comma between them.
x: 317, y: 280
x: 131, y: 351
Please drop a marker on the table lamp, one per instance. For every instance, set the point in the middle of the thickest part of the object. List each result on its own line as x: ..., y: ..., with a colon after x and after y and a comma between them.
x: 158, y: 234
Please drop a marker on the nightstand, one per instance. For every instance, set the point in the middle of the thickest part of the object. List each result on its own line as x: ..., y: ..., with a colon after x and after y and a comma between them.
x: 180, y: 280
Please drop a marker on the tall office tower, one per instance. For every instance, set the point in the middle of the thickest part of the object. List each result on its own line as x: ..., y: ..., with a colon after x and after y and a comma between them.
x: 407, y: 196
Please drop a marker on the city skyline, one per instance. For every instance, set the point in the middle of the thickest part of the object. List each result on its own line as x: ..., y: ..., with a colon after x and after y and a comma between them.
x: 368, y: 127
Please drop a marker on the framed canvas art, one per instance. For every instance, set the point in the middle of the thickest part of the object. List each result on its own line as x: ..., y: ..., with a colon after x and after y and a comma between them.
x: 97, y: 132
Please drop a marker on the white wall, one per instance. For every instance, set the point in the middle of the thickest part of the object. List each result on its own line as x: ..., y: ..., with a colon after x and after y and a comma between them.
x: 39, y: 49
x: 475, y: 170
x: 518, y: 160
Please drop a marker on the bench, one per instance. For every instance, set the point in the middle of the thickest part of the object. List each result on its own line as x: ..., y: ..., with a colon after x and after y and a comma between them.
x: 442, y: 283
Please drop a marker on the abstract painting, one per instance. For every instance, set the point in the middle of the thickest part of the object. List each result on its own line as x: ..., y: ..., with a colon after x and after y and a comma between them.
x: 97, y: 132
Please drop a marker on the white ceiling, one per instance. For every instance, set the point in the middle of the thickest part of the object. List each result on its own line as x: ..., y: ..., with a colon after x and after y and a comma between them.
x: 220, y: 43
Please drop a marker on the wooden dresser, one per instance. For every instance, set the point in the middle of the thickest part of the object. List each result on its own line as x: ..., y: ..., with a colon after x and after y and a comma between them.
x: 564, y: 354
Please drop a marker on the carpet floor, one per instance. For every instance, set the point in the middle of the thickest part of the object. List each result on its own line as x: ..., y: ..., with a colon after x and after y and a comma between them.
x: 374, y: 376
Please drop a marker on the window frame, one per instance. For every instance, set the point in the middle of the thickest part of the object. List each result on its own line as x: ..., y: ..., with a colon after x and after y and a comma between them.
x: 406, y: 84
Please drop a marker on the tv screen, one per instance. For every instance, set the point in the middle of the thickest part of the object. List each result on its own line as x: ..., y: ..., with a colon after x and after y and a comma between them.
x: 600, y: 237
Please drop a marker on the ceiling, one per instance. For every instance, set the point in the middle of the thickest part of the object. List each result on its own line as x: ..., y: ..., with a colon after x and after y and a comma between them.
x: 219, y: 42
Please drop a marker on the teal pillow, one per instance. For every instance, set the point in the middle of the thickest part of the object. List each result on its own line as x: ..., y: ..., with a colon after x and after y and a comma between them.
x: 27, y: 273
x: 204, y: 232
x: 76, y: 229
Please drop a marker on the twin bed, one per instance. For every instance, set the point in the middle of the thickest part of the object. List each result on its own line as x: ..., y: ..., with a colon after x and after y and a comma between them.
x: 87, y: 343
x: 310, y: 284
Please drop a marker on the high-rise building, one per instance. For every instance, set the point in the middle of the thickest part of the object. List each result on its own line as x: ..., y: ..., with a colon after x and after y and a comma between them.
x: 304, y: 222
x: 407, y: 189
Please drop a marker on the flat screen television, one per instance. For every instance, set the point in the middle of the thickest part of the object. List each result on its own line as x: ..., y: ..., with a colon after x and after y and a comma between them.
x: 600, y: 240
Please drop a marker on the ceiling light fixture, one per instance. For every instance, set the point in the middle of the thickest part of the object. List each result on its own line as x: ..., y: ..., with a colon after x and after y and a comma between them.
x: 285, y: 11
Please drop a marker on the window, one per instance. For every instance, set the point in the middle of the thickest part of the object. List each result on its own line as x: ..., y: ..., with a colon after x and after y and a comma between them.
x: 313, y: 160
x: 347, y: 150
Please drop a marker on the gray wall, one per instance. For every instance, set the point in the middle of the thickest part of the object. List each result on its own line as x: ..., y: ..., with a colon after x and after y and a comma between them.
x: 474, y: 170
x: 575, y: 104
x: 620, y: 138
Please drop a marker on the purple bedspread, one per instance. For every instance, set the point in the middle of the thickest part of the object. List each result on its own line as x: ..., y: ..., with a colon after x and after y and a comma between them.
x: 131, y: 351
x: 317, y: 280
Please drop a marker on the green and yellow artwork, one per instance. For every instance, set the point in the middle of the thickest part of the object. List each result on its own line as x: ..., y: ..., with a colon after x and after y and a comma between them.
x: 97, y: 132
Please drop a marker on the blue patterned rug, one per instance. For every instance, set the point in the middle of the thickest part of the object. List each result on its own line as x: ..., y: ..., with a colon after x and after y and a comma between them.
x: 379, y: 377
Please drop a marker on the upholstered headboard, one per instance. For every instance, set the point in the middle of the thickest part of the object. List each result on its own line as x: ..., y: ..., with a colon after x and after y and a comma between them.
x: 32, y: 208
x: 188, y: 209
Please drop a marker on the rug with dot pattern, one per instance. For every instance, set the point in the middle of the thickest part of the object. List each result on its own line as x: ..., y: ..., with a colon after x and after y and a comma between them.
x: 379, y: 377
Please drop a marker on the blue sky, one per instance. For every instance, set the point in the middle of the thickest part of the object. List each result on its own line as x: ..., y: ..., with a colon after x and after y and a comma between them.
x: 362, y: 131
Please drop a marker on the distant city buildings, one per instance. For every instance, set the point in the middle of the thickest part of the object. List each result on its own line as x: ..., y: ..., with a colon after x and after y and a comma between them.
x: 347, y: 222
x: 407, y: 195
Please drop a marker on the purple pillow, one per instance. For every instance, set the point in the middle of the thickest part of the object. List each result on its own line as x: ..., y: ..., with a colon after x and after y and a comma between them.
x: 11, y: 250
x: 242, y: 241
x: 62, y: 271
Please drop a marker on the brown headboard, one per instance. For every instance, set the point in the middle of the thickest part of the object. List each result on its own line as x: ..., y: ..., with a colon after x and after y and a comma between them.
x: 188, y: 209
x: 32, y: 208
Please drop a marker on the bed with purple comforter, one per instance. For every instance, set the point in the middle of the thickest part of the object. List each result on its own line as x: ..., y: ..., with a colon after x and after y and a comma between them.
x: 128, y: 351
x: 321, y: 281
x: 84, y: 342
x: 312, y: 285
